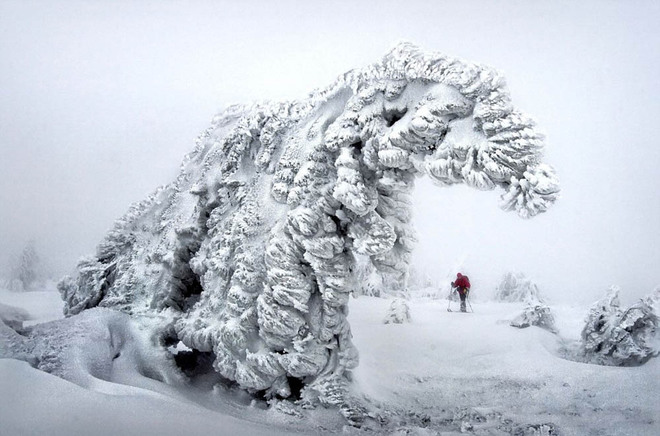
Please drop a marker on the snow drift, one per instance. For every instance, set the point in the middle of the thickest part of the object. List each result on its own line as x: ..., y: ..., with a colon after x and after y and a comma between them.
x: 250, y: 252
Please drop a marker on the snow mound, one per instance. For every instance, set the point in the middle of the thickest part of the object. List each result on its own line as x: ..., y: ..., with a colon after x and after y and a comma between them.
x: 13, y: 317
x: 535, y: 315
x: 90, y: 347
x: 618, y: 337
x: 37, y: 403
x: 398, y: 312
x: 250, y: 252
x: 516, y: 287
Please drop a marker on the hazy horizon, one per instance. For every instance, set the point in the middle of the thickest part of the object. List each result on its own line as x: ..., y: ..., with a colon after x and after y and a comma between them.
x: 101, y: 100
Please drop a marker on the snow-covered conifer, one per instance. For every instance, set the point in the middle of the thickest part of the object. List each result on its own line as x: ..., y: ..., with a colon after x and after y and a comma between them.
x: 27, y: 269
x: 516, y: 287
x: 613, y: 336
x: 251, y: 250
x: 398, y: 312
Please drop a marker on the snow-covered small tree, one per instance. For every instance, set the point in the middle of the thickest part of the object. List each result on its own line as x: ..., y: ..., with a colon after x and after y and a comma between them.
x: 535, y: 315
x: 516, y: 287
x: 27, y: 269
x: 398, y: 312
x: 618, y: 337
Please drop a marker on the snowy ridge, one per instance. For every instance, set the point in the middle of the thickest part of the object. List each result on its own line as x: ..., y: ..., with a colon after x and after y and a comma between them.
x: 250, y: 252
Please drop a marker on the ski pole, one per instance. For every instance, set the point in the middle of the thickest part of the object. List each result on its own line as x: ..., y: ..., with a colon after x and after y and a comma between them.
x: 451, y: 294
x: 470, y: 304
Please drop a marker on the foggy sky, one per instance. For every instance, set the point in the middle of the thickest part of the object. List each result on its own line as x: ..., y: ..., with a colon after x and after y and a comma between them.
x: 99, y: 101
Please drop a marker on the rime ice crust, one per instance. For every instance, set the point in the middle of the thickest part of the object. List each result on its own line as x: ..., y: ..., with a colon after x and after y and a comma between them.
x: 251, y: 249
x: 618, y: 337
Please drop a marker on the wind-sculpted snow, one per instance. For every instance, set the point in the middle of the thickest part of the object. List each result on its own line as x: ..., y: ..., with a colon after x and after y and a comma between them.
x: 251, y: 250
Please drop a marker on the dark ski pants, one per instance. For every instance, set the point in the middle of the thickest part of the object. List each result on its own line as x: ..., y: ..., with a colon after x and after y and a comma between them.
x: 463, y: 292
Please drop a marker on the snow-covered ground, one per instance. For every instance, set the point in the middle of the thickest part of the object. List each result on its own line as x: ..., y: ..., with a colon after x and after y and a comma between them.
x: 443, y: 364
x: 442, y: 373
x: 42, y: 306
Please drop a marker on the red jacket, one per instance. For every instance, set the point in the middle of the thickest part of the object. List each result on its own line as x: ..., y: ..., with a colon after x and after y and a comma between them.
x: 462, y: 282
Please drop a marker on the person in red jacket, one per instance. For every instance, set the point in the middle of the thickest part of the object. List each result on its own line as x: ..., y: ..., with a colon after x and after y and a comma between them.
x: 462, y: 286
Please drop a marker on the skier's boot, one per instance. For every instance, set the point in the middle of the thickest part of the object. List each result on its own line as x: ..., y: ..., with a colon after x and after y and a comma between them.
x: 463, y: 306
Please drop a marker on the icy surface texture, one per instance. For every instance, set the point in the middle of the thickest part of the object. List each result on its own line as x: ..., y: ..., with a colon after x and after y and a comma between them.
x: 398, y: 312
x: 516, y: 287
x: 250, y: 251
x: 617, y: 337
x: 535, y: 314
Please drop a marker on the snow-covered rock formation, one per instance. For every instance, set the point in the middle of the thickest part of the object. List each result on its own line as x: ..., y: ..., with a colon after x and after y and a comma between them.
x: 516, y: 287
x: 617, y: 337
x: 250, y: 251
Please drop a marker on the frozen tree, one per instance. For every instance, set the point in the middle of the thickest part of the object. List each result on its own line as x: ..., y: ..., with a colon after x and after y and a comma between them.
x: 516, y: 287
x: 420, y: 279
x: 613, y: 336
x: 251, y: 250
x: 26, y: 271
x: 424, y: 284
x: 398, y: 312
x: 535, y: 314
